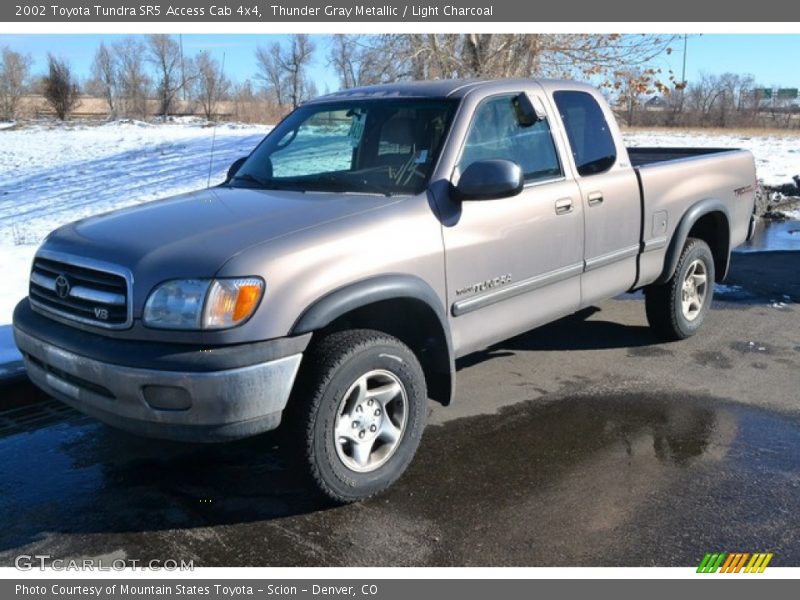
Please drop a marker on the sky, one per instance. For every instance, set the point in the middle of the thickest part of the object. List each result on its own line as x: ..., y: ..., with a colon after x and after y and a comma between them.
x: 772, y: 59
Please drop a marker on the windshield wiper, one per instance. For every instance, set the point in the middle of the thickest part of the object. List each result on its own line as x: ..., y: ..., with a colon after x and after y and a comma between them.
x: 331, y: 183
x: 365, y: 186
x: 260, y: 181
x: 320, y: 183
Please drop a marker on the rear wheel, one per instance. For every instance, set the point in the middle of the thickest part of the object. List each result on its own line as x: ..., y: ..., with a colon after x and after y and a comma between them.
x: 677, y: 309
x: 358, y: 413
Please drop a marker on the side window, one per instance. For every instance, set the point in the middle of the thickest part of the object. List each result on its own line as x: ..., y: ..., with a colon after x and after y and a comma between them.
x: 496, y: 133
x: 588, y: 132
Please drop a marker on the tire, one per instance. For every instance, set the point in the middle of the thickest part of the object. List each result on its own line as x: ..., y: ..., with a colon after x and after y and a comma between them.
x: 669, y: 316
x: 330, y: 389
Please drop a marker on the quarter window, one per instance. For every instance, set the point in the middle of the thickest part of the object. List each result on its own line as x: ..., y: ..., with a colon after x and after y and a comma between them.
x: 496, y: 133
x: 588, y: 132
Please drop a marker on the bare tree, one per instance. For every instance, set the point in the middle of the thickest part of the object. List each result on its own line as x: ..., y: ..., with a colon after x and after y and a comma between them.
x: 675, y: 100
x: 362, y: 59
x: 211, y: 84
x: 14, y: 73
x: 704, y: 98
x: 284, y: 69
x: 173, y: 73
x: 729, y: 84
x: 255, y: 106
x: 244, y: 101
x: 105, y: 77
x: 294, y: 61
x: 444, y: 56
x: 270, y: 72
x: 59, y: 88
x: 132, y: 78
x: 749, y: 101
x: 344, y: 56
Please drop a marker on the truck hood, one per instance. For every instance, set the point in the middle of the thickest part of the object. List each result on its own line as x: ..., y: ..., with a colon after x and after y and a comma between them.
x: 194, y: 234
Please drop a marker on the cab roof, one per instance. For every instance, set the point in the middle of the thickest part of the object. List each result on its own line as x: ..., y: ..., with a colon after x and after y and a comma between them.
x: 440, y: 88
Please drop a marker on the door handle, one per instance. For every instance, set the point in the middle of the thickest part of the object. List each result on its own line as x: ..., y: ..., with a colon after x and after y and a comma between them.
x: 595, y: 198
x: 564, y: 206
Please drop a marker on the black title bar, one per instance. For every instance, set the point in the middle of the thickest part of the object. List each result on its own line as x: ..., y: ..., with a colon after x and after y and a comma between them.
x: 440, y: 11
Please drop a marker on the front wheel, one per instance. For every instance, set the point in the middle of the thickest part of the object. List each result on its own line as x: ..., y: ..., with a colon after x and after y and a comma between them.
x: 358, y: 413
x: 677, y: 309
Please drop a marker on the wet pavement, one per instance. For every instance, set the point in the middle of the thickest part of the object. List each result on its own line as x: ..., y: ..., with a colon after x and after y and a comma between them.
x: 774, y: 235
x: 585, y: 442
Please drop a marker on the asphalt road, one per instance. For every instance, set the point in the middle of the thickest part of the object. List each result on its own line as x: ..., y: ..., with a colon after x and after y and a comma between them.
x: 586, y: 442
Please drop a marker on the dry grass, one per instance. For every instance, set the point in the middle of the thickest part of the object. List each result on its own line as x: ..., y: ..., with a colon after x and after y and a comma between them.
x: 92, y: 108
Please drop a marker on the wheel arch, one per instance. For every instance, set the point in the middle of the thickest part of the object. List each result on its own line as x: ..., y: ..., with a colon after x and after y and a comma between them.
x: 401, y: 305
x: 708, y: 220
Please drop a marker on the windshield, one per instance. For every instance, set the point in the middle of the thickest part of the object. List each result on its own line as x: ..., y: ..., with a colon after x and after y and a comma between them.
x: 374, y: 146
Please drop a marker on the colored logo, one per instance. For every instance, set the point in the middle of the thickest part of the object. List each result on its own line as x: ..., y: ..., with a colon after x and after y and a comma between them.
x: 735, y: 562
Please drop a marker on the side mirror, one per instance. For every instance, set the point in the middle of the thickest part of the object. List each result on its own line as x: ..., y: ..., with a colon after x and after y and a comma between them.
x: 490, y: 179
x: 525, y: 111
x: 237, y: 164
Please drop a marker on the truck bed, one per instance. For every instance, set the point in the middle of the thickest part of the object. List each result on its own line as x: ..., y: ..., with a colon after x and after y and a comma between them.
x: 643, y: 155
x: 673, y: 180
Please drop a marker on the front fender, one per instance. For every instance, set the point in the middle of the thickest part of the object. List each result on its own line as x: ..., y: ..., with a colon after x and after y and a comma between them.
x: 366, y: 292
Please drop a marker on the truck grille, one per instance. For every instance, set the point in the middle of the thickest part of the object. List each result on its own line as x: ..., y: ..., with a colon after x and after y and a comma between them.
x: 81, y: 291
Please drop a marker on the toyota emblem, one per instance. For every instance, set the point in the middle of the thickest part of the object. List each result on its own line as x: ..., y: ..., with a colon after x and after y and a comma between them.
x: 62, y: 286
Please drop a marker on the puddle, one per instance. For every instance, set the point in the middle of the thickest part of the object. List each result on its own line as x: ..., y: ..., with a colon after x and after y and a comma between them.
x: 753, y: 347
x: 586, y: 479
x: 774, y: 235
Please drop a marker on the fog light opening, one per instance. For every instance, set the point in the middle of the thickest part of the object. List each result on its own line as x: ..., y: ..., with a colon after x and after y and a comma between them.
x: 167, y: 397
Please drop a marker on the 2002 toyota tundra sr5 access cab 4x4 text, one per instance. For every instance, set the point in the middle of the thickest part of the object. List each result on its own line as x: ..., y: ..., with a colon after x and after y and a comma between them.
x: 374, y: 236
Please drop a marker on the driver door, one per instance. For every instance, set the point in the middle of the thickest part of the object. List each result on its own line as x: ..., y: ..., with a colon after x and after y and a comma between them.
x: 513, y: 263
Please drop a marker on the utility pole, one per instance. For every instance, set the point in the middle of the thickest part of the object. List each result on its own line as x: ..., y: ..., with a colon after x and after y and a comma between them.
x: 183, y: 71
x: 685, y: 44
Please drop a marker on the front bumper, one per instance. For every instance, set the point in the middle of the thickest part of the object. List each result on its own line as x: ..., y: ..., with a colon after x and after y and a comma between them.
x: 191, y: 404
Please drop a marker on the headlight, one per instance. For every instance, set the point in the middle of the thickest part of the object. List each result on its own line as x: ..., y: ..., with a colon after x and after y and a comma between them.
x: 202, y: 303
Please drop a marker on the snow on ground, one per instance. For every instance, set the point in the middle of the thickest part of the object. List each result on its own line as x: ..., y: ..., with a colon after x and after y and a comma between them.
x: 777, y: 156
x: 53, y: 174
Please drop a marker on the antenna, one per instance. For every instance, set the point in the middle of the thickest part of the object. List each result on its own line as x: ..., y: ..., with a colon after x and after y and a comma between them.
x: 214, y: 129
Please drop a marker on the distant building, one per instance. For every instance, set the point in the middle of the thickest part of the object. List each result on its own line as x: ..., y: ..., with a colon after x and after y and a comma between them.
x: 655, y: 103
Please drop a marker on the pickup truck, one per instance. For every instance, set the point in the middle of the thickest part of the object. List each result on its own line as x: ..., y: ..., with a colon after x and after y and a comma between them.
x: 372, y: 238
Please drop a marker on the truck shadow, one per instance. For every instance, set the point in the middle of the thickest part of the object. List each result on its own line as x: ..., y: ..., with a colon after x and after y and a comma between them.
x: 574, y: 332
x: 755, y: 279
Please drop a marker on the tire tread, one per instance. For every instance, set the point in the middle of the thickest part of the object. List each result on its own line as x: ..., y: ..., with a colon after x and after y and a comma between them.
x: 661, y: 301
x: 320, y: 365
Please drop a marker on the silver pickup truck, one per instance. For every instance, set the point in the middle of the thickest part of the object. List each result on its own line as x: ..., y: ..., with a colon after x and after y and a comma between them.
x: 373, y: 237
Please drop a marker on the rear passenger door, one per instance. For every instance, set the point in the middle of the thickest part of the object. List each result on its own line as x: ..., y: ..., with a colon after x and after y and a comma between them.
x: 609, y: 192
x: 513, y: 263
